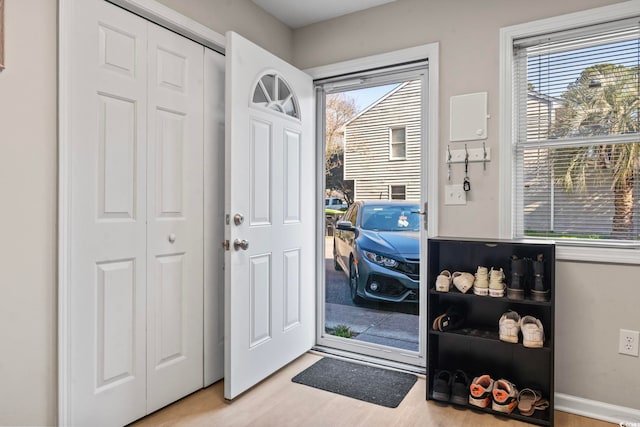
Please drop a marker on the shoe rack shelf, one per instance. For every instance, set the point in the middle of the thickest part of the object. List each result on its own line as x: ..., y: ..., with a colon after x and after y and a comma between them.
x: 475, y: 346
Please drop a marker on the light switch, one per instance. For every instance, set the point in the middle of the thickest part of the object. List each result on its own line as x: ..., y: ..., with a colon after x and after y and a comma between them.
x: 454, y: 194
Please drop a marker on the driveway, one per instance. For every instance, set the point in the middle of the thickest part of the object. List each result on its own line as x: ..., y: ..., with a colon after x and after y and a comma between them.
x: 391, y: 324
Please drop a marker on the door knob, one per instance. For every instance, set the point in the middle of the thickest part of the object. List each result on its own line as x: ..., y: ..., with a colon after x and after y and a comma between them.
x: 238, y: 219
x: 240, y: 244
x: 172, y: 238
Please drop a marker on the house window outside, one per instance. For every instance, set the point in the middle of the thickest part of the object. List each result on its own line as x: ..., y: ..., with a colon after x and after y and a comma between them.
x: 576, y: 144
x: 397, y: 144
x: 398, y: 192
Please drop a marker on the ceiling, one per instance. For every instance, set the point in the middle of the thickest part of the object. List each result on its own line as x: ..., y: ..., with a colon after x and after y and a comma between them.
x: 297, y: 13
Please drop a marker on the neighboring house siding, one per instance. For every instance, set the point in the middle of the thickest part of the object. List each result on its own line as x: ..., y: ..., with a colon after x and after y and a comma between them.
x: 367, y: 146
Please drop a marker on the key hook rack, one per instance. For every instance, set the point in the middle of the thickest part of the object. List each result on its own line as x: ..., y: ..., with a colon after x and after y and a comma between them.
x: 471, y: 155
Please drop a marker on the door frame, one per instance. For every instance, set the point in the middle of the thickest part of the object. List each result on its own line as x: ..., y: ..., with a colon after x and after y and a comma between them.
x: 429, y: 185
x: 156, y: 13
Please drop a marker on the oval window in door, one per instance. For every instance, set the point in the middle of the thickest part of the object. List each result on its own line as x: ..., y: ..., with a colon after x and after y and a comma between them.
x: 274, y: 93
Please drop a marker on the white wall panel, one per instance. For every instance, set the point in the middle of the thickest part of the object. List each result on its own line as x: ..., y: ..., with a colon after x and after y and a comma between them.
x: 291, y: 288
x: 170, y: 162
x: 291, y: 190
x: 116, y: 163
x: 115, y: 322
x: 261, y: 194
x: 117, y: 50
x: 169, y: 309
x: 172, y: 70
x: 260, y: 300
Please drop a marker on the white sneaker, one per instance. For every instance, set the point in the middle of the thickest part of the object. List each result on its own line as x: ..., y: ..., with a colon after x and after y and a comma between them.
x: 509, y: 326
x: 496, y: 283
x: 481, y: 284
x: 443, y: 281
x: 463, y: 281
x: 532, y: 332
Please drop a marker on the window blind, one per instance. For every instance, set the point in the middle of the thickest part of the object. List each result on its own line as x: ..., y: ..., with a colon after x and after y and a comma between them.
x: 577, y: 134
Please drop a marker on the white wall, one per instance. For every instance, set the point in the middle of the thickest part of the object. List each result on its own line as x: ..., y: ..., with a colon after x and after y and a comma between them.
x: 241, y: 16
x: 593, y: 300
x: 28, y: 148
x: 28, y: 186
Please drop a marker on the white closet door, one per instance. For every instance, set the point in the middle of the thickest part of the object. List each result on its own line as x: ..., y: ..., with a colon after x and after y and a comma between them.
x: 107, y: 291
x: 175, y: 217
x: 214, y: 64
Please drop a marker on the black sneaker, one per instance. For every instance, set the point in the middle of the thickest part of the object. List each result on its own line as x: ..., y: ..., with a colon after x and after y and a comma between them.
x: 460, y: 388
x: 442, y: 385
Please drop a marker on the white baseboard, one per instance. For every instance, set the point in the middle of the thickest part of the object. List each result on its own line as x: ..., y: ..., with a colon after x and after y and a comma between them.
x: 620, y: 415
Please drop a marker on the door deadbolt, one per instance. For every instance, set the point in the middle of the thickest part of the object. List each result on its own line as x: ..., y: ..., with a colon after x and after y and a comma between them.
x: 238, y: 219
x: 240, y: 244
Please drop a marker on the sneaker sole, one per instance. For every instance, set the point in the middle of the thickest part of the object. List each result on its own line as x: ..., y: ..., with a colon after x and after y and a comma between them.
x: 481, y: 291
x: 443, y: 397
x: 481, y: 402
x: 509, y: 338
x: 516, y: 294
x: 532, y: 344
x: 496, y: 293
x: 460, y: 400
x: 541, y: 296
x: 504, y: 408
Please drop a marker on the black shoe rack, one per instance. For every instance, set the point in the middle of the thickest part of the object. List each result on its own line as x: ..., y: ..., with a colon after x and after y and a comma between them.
x: 475, y: 346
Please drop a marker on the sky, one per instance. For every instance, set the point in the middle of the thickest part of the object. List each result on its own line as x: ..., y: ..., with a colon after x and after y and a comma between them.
x: 366, y: 97
x: 552, y: 73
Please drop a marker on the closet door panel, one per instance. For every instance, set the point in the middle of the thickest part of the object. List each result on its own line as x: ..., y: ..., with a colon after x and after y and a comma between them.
x: 107, y: 290
x: 175, y: 218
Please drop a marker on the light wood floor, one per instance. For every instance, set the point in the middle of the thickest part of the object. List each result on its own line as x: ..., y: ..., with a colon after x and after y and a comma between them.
x: 279, y: 402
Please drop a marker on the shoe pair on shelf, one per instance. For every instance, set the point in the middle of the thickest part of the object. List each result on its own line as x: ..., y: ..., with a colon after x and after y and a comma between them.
x: 461, y: 280
x: 451, y: 387
x: 451, y: 319
x: 530, y: 400
x: 489, y: 282
x: 524, y: 271
x: 501, y: 394
x: 510, y: 325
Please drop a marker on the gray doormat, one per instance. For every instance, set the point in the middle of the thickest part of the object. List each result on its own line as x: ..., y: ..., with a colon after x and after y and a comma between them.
x: 375, y: 385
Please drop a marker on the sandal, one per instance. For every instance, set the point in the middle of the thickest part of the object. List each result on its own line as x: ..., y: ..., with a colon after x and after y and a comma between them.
x: 542, y: 404
x: 437, y: 322
x: 453, y: 318
x: 529, y: 400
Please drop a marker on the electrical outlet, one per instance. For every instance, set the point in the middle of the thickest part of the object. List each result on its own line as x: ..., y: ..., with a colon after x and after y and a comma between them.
x: 628, y: 343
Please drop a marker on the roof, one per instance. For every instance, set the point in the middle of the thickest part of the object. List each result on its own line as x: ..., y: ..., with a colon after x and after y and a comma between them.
x: 389, y: 94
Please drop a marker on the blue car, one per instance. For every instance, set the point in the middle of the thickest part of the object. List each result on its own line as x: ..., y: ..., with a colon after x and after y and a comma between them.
x: 377, y: 244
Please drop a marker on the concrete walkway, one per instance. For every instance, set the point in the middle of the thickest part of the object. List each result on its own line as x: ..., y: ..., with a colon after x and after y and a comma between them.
x: 398, y: 330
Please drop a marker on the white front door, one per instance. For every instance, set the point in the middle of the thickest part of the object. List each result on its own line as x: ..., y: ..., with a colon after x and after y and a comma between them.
x: 270, y: 198
x: 175, y: 158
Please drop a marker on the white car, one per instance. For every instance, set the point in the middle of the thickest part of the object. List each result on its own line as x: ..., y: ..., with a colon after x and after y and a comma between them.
x: 335, y: 203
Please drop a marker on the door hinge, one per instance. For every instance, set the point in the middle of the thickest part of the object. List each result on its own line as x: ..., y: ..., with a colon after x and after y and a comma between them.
x: 225, y: 245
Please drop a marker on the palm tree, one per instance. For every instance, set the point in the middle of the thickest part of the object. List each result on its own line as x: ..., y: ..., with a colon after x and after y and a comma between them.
x: 602, y: 101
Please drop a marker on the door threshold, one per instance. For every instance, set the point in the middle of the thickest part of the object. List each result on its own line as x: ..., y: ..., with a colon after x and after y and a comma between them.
x: 368, y: 360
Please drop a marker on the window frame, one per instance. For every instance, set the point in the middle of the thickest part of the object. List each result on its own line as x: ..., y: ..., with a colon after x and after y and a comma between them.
x: 392, y: 143
x: 609, y: 252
